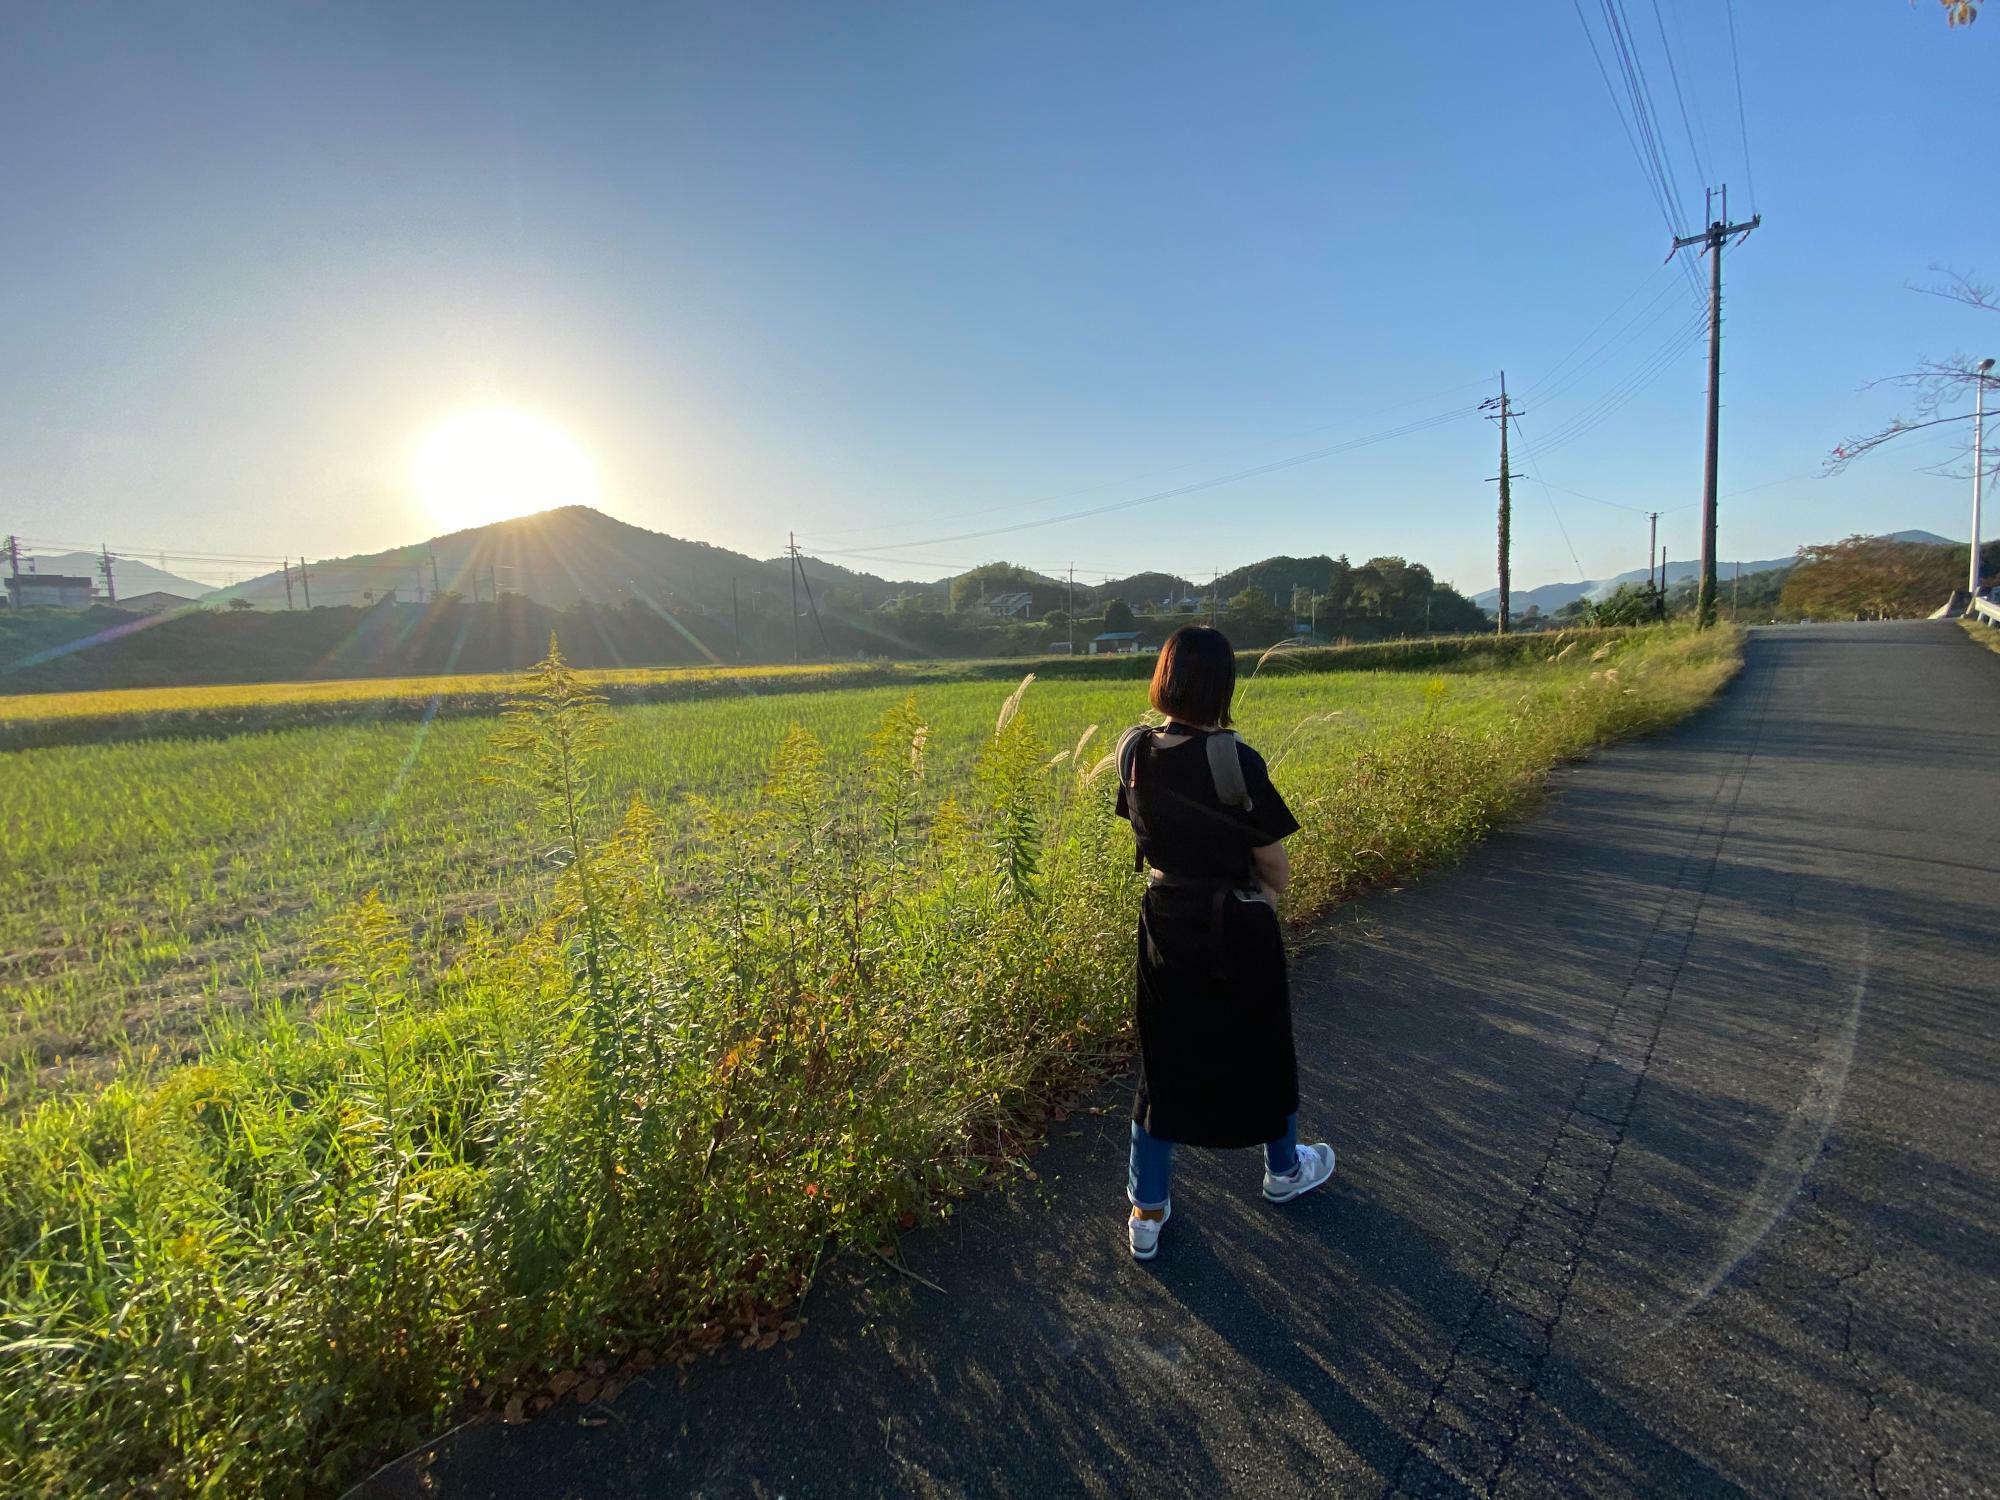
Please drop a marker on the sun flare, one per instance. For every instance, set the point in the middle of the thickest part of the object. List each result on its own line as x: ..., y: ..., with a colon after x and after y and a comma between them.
x: 491, y: 463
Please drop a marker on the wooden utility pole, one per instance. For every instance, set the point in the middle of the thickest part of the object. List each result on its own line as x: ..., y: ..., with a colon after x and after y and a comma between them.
x: 105, y: 560
x: 305, y: 582
x: 1712, y: 240
x: 1498, y: 409
x: 818, y: 623
x: 792, y: 552
x: 287, y: 566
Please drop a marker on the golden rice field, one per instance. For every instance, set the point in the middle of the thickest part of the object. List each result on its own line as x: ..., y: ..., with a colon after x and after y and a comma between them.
x: 485, y: 689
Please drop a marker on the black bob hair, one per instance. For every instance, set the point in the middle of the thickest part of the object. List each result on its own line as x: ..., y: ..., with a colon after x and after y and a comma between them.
x: 1195, y: 676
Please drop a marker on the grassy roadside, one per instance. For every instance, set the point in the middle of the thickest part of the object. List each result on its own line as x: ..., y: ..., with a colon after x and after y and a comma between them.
x: 1987, y: 635
x: 634, y: 1130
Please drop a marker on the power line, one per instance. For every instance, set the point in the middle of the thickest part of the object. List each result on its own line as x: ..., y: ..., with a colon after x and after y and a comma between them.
x: 1700, y: 124
x: 842, y: 531
x: 1534, y: 464
x: 1618, y: 109
x: 1684, y: 337
x: 1743, y: 129
x: 1637, y: 327
x: 1602, y: 407
x: 1542, y: 385
x: 1679, y: 98
x: 1641, y: 126
x: 1626, y: 46
x: 1254, y: 471
x: 1637, y: 510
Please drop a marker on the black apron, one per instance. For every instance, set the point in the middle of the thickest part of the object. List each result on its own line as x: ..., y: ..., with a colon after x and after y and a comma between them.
x: 1217, y: 1065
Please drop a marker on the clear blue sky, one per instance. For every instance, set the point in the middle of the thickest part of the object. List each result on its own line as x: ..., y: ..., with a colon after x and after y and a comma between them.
x: 880, y: 273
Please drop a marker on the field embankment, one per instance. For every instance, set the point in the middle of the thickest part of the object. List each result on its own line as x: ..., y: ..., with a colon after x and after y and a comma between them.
x: 827, y: 970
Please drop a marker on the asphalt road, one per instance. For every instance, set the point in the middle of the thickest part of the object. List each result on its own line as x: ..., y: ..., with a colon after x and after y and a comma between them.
x: 1669, y: 1166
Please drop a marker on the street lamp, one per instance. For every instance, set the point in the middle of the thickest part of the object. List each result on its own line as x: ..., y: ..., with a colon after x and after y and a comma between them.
x: 1978, y: 466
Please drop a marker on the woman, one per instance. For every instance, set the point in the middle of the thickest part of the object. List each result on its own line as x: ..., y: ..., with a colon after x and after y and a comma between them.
x: 1215, y: 1016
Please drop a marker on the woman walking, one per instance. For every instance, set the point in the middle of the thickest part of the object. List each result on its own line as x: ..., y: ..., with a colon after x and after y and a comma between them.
x: 1214, y: 1005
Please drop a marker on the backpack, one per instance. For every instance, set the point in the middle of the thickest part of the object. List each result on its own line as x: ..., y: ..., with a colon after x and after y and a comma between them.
x: 1225, y: 763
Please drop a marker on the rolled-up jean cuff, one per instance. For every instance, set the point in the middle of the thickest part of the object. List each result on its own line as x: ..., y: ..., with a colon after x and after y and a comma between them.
x: 1150, y: 1167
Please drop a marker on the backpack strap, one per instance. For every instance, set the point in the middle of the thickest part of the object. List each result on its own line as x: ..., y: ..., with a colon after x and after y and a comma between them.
x: 1225, y: 766
x: 1129, y: 744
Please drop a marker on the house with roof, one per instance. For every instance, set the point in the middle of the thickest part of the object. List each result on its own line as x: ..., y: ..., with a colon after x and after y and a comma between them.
x: 51, y: 591
x: 1117, y: 643
x: 1009, y: 606
x: 158, y: 602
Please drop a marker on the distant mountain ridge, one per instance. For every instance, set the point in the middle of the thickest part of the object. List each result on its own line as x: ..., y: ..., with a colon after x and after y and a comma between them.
x: 1551, y: 597
x: 559, y: 557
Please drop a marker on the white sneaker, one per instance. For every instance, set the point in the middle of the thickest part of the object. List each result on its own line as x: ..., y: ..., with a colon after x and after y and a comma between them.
x: 1315, y: 1168
x: 1145, y: 1233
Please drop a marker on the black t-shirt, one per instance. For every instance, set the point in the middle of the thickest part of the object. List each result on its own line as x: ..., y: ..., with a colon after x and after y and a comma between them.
x: 1183, y: 827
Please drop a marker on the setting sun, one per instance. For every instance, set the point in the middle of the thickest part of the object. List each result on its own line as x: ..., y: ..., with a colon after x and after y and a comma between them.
x: 490, y: 463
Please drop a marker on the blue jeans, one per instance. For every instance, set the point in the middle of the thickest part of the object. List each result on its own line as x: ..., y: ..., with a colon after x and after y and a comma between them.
x: 1153, y: 1163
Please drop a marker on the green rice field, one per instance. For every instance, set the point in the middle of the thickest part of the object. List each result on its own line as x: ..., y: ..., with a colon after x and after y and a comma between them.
x: 360, y: 1074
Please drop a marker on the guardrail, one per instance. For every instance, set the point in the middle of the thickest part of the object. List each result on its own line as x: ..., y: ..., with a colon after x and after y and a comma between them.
x: 1985, y: 611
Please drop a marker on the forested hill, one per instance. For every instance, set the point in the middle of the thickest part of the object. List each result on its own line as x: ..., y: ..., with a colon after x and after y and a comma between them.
x: 558, y: 558
x: 619, y: 595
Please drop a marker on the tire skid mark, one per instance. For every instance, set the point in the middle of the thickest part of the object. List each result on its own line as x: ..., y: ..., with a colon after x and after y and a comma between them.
x: 1463, y: 1441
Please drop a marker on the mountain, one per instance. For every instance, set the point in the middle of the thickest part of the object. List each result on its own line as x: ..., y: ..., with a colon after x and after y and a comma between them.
x: 1145, y: 590
x: 1553, y: 596
x: 131, y: 576
x: 563, y: 557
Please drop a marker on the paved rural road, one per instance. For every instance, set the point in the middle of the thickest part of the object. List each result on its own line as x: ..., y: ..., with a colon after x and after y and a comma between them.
x: 1669, y: 1129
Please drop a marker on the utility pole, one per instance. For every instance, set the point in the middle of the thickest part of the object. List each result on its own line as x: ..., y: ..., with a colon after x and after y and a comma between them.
x: 1499, y: 409
x: 305, y: 582
x: 14, y: 556
x: 799, y: 558
x: 105, y: 560
x: 1070, y: 607
x: 287, y: 566
x: 792, y: 552
x: 1652, y: 546
x: 435, y: 590
x: 1712, y: 239
x: 1736, y: 591
x: 1978, y: 465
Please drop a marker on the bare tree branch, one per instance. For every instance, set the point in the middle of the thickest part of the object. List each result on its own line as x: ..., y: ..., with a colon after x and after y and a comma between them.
x: 1958, y: 287
x: 1940, y: 386
x: 1861, y: 447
